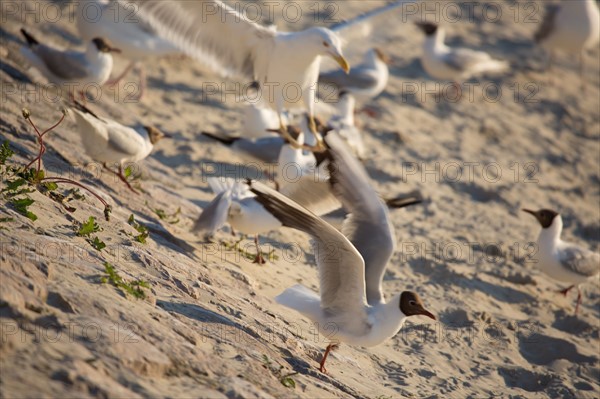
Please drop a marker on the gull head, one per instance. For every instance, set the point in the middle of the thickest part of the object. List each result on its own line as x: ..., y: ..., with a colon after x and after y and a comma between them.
x: 329, y: 44
x: 427, y: 27
x: 154, y: 134
x: 411, y: 305
x: 544, y: 216
x: 104, y: 46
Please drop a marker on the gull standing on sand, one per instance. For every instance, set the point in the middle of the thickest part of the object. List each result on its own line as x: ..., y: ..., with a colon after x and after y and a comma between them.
x: 455, y: 64
x: 365, y: 81
x: 236, y: 205
x: 562, y: 260
x: 113, y: 21
x: 572, y: 26
x: 93, y: 66
x: 215, y: 34
x: 351, y: 264
x: 110, y: 142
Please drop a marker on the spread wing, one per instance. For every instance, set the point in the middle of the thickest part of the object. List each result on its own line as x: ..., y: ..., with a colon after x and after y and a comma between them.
x: 341, y: 267
x: 364, y: 17
x: 214, y: 216
x: 367, y: 226
x: 211, y: 32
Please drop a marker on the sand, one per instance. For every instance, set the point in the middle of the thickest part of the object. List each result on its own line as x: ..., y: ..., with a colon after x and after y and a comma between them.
x: 209, y: 326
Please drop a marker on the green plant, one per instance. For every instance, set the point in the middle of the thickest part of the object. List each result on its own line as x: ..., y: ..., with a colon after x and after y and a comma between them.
x: 133, y: 288
x: 97, y: 244
x: 140, y: 228
x: 34, y: 177
x: 162, y: 215
x: 88, y: 227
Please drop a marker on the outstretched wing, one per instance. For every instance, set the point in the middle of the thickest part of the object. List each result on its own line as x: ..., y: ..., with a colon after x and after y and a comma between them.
x: 368, y: 15
x: 341, y: 268
x: 211, y: 32
x: 367, y: 226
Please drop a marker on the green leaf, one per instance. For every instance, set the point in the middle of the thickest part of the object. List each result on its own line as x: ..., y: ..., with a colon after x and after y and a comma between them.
x: 21, y: 205
x: 97, y: 243
x: 288, y: 382
x: 4, y: 220
x: 51, y: 186
x: 134, y: 288
x: 88, y: 227
x: 5, y: 152
x: 127, y: 171
x: 140, y: 228
x: 12, y: 185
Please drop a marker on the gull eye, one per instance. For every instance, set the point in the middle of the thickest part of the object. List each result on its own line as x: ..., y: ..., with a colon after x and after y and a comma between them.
x: 412, y: 303
x: 325, y: 44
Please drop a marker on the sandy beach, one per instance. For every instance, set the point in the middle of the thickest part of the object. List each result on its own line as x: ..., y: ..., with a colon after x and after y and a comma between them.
x: 208, y: 325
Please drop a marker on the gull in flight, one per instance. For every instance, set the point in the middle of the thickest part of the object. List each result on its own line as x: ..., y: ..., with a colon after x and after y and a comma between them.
x: 216, y: 34
x: 110, y: 142
x: 113, y: 21
x: 351, y: 263
x: 455, y: 64
x: 365, y: 81
x: 93, y: 66
x: 572, y: 27
x: 561, y: 260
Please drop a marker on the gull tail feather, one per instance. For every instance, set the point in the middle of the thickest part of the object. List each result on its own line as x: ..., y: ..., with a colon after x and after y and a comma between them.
x: 302, y: 300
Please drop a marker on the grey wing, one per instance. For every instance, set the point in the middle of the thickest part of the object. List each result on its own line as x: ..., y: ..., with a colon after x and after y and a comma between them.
x: 265, y: 149
x: 547, y: 25
x: 580, y: 260
x: 214, y: 216
x: 359, y: 78
x: 312, y: 194
x: 367, y: 226
x: 67, y: 65
x: 341, y: 267
x: 462, y: 59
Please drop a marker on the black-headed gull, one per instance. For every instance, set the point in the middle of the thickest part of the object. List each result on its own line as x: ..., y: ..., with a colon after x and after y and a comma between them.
x: 110, y: 142
x: 561, y: 260
x: 92, y: 66
x: 572, y: 27
x: 454, y: 64
x: 351, y: 263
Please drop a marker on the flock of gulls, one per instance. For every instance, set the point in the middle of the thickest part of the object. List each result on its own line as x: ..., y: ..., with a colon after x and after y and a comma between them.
x: 327, y: 155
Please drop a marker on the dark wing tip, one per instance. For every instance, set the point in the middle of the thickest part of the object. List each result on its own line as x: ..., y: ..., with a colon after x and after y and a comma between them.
x: 222, y: 139
x: 31, y: 41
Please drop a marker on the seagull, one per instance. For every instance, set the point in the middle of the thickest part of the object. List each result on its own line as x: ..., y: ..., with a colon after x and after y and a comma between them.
x: 455, y: 64
x: 93, y: 66
x: 572, y: 27
x: 108, y: 141
x: 366, y: 81
x: 562, y: 260
x: 113, y: 21
x: 351, y: 263
x: 343, y: 123
x: 236, y: 205
x: 216, y: 34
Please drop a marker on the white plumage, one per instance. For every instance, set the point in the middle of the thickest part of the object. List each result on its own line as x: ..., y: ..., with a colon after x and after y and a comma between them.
x: 455, y: 64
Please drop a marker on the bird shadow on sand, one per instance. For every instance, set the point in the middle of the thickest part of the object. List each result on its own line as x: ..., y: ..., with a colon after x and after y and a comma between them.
x: 542, y: 350
x: 219, y: 326
x: 498, y: 292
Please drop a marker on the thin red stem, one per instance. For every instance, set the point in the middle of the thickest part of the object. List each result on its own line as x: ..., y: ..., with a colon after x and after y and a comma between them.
x: 73, y: 182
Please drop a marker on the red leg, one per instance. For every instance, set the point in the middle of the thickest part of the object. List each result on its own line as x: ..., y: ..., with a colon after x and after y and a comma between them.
x: 329, y: 348
x: 116, y: 80
x: 566, y: 290
x: 259, y: 258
